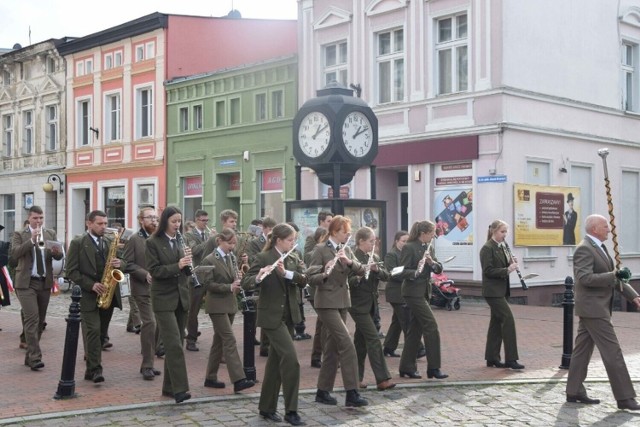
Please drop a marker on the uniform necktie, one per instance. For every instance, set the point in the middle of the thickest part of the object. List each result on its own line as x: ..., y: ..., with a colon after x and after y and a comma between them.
x: 39, y: 262
x: 202, y: 235
x: 227, y: 259
x: 174, y: 246
x: 607, y: 253
x: 100, y: 247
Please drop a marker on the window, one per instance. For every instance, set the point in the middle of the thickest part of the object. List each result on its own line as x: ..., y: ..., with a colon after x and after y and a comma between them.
x: 451, y: 53
x: 112, y: 117
x: 191, y: 195
x: 52, y: 127
x: 145, y: 51
x: 115, y: 204
x: 390, y: 66
x: 271, y: 201
x: 84, y: 66
x: 335, y: 63
x: 108, y: 61
x: 139, y: 53
x: 27, y: 134
x: 629, y: 227
x: 220, y: 113
x: 261, y: 106
x: 83, y: 122
x: 234, y: 111
x: 144, y: 112
x: 184, y: 119
x: 197, y: 117
x: 7, y: 135
x: 51, y: 65
x: 146, y: 195
x: 88, y: 66
x: 629, y: 76
x: 117, y: 58
x: 9, y: 214
x: 6, y: 77
x: 277, y: 104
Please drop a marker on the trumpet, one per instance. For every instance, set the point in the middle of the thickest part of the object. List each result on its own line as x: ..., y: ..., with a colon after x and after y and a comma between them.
x: 423, y: 261
x: 335, y: 259
x: 188, y: 270
x: 40, y: 238
x: 367, y: 268
x: 260, y: 277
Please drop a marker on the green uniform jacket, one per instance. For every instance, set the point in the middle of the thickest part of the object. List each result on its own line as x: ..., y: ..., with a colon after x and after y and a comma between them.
x: 217, y: 283
x: 393, y: 291
x: 200, y: 248
x: 364, y: 292
x: 410, y: 256
x: 22, y: 250
x: 169, y: 285
x: 331, y: 291
x: 495, y: 272
x: 272, y: 304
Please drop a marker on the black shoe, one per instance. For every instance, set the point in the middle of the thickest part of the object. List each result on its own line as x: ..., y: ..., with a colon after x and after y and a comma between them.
x: 264, y: 353
x: 37, y: 365
x: 271, y: 416
x: 390, y: 353
x: 293, y: 418
x: 436, y: 373
x: 242, y: 384
x: 513, y: 364
x: 214, y: 384
x: 582, y: 399
x: 496, y: 363
x: 421, y: 353
x: 148, y: 374
x: 191, y: 346
x: 414, y: 375
x: 629, y: 404
x: 316, y: 364
x: 182, y: 396
x: 160, y: 352
x: 256, y: 341
x: 133, y: 329
x: 97, y: 377
x: 156, y: 372
x: 106, y: 345
x: 354, y: 400
x: 326, y: 398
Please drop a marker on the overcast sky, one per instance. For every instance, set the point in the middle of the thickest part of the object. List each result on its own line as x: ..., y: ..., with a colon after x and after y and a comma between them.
x: 58, y: 18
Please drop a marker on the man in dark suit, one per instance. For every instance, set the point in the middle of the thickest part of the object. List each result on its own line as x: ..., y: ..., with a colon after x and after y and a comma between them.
x: 596, y: 280
x: 87, y: 259
x: 34, y: 279
x: 570, y: 221
x: 134, y: 254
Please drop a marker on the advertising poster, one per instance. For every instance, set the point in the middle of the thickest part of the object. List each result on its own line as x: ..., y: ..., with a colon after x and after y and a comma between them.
x: 307, y: 221
x: 365, y: 217
x: 546, y: 215
x: 453, y: 214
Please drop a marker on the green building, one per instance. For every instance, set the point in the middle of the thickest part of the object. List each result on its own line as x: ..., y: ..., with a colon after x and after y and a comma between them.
x: 229, y: 138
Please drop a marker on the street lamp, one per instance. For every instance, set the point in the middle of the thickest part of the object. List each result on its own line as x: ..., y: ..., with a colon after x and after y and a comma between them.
x: 48, y: 186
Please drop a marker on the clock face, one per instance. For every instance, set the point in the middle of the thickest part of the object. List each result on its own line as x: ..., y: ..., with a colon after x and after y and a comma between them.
x: 357, y: 134
x: 314, y: 134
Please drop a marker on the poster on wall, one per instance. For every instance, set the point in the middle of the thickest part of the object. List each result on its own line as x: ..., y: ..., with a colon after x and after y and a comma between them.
x: 546, y: 215
x: 453, y: 214
x: 366, y: 217
x: 306, y: 218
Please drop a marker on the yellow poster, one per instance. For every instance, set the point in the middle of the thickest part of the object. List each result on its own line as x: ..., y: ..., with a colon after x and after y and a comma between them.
x: 546, y: 215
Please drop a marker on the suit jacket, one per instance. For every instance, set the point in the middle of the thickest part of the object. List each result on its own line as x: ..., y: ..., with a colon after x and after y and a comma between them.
x: 595, y: 281
x: 169, y: 285
x: 272, y: 304
x: 393, y: 291
x: 216, y: 277
x: 22, y: 249
x: 569, y: 229
x: 134, y: 254
x: 254, y: 247
x: 82, y: 269
x: 364, y: 292
x: 420, y: 286
x: 495, y: 270
x: 200, y: 247
x: 332, y: 291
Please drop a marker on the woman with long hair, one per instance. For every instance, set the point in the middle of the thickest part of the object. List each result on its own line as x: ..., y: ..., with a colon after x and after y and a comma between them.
x: 392, y: 292
x: 331, y: 263
x: 166, y: 259
x: 279, y: 279
x: 419, y: 260
x: 496, y: 267
x: 220, y: 278
x: 364, y: 296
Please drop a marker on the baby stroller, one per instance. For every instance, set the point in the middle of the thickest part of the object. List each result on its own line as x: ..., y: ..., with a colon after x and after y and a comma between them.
x: 443, y: 293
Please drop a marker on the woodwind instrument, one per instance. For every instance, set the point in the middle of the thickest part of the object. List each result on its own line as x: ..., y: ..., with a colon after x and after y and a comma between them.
x: 367, y: 268
x: 337, y: 257
x: 111, y: 277
x: 260, y: 278
x: 238, y: 273
x: 188, y: 269
x: 507, y: 251
x: 423, y: 261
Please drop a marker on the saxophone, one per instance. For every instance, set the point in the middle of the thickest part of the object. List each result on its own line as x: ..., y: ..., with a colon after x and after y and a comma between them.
x: 111, y: 277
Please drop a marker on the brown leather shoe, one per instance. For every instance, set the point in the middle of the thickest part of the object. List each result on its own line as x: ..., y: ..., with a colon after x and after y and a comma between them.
x: 23, y: 345
x: 629, y: 404
x: 385, y: 385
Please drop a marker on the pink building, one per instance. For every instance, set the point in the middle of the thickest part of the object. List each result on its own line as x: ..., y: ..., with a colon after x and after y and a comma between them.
x: 116, y: 102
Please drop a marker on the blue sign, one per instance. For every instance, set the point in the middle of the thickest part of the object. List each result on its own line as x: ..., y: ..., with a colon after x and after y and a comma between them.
x: 228, y: 162
x: 492, y: 178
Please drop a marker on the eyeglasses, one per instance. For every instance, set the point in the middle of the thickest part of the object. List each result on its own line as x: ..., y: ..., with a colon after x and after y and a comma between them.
x: 152, y: 218
x: 203, y: 220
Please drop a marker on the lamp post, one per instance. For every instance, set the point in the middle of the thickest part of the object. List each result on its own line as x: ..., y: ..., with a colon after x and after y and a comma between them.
x: 48, y: 186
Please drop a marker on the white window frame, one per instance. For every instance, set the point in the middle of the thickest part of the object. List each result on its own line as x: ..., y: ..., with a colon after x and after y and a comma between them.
x: 51, y: 64
x: 277, y: 104
x: 260, y: 103
x: 630, y: 196
x: 142, y: 116
x: 391, y: 88
x: 7, y: 135
x: 220, y: 111
x: 6, y: 77
x: 456, y: 45
x: 108, y: 61
x: 335, y: 62
x: 51, y: 123
x: 83, y: 125
x: 84, y: 67
x: 183, y: 119
x: 117, y: 58
x: 112, y: 117
x: 27, y: 132
x: 139, y: 52
x: 235, y: 116
x: 197, y: 117
x: 149, y: 50
x: 629, y: 68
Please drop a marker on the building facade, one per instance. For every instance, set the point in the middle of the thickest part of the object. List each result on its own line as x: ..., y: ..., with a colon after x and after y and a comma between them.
x: 474, y: 98
x: 32, y: 115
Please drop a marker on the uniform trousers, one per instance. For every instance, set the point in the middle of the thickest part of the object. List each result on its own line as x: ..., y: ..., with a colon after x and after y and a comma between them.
x: 94, y: 323
x: 502, y: 328
x: 171, y: 326
x: 367, y: 342
x: 134, y: 314
x: 148, y: 329
x: 422, y: 324
x: 316, y: 350
x: 196, y: 294
x: 224, y: 343
x: 337, y: 347
x: 34, y: 302
x: 282, y: 368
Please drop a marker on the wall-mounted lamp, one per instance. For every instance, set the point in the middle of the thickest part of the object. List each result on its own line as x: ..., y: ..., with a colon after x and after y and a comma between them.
x: 48, y: 186
x: 245, y: 156
x: 563, y: 169
x: 96, y: 131
x: 416, y: 175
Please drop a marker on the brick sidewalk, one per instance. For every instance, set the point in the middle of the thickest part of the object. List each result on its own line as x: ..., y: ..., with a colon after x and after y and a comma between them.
x: 462, y: 334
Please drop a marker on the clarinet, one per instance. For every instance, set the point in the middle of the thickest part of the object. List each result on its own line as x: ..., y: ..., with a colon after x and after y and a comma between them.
x: 187, y: 269
x: 507, y: 251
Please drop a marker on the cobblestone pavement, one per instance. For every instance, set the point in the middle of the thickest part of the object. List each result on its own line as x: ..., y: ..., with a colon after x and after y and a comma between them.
x: 506, y: 404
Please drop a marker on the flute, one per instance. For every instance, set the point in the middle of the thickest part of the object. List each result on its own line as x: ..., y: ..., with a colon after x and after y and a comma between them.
x: 367, y: 268
x: 423, y: 261
x: 507, y: 251
x: 260, y: 278
x: 335, y: 259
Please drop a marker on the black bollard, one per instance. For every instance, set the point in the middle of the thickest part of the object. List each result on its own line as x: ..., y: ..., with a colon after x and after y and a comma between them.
x: 67, y: 384
x: 567, y: 337
x: 249, y: 331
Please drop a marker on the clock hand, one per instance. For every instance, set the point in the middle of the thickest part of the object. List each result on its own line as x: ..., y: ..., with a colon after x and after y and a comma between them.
x: 357, y: 132
x: 360, y: 130
x: 320, y: 129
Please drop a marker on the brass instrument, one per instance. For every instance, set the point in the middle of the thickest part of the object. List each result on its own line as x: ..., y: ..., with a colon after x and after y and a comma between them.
x: 188, y: 269
x: 111, y: 277
x: 367, y: 268
x: 260, y: 278
x: 423, y: 261
x: 335, y: 259
x: 244, y: 239
x: 40, y: 238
